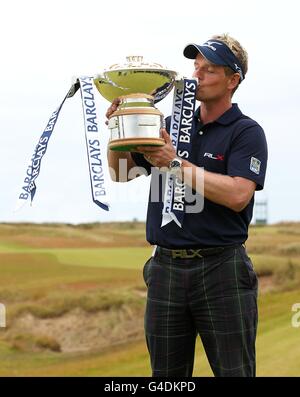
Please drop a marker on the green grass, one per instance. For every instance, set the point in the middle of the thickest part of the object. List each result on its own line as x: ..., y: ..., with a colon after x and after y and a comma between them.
x: 47, y: 284
x: 118, y: 258
x: 278, y: 341
x: 50, y: 270
x: 30, y: 267
x: 278, y: 352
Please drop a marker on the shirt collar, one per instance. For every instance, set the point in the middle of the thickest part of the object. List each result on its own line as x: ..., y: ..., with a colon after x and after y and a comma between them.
x: 226, y: 118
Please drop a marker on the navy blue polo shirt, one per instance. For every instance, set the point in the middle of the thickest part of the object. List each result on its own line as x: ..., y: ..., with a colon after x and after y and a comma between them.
x: 234, y: 145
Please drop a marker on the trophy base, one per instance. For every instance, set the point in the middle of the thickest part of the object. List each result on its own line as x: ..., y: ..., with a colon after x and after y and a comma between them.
x: 136, y: 122
x: 130, y: 144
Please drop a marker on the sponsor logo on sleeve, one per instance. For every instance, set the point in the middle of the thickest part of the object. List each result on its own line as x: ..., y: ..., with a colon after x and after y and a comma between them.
x: 255, y: 165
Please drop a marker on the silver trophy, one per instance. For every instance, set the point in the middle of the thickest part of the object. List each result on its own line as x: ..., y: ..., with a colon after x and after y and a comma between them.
x: 139, y: 85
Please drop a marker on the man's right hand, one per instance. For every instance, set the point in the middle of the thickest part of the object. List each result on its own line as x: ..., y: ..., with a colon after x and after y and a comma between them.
x: 113, y: 107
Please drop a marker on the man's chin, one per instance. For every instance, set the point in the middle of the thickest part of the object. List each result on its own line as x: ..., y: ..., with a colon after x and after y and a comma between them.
x: 200, y: 97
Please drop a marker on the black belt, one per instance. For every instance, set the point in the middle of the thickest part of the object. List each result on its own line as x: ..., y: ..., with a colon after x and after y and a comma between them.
x: 190, y: 253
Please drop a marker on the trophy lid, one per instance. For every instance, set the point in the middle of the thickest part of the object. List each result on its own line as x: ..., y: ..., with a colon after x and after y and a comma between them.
x: 135, y: 62
x: 135, y: 76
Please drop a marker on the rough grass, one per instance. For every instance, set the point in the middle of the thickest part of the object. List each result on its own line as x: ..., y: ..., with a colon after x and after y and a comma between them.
x: 273, y: 239
x: 28, y: 342
x: 51, y: 272
x: 93, y: 235
x: 277, y: 351
x: 290, y: 249
x: 59, y: 303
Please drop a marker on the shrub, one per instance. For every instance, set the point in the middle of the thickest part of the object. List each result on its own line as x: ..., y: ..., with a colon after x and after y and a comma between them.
x: 290, y: 249
x: 47, y: 342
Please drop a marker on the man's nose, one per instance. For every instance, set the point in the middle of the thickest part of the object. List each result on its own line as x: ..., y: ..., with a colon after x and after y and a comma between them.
x: 197, y: 74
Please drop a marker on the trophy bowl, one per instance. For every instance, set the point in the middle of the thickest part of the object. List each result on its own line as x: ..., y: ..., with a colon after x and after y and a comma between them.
x: 138, y: 85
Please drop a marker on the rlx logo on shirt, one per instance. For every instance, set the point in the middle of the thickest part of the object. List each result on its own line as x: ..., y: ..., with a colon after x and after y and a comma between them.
x: 216, y: 157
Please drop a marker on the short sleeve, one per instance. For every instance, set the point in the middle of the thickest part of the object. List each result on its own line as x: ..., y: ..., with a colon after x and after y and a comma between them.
x: 248, y: 155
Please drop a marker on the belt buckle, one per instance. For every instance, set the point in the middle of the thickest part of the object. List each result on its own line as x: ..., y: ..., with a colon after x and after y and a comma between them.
x: 183, y: 254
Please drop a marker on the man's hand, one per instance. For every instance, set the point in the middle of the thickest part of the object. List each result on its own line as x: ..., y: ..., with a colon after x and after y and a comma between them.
x: 113, y: 107
x: 159, y: 156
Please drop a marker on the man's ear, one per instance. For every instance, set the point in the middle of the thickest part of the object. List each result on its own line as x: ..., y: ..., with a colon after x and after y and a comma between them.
x: 234, y: 81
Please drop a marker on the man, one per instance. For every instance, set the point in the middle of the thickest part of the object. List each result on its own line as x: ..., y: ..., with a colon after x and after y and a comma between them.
x: 200, y: 279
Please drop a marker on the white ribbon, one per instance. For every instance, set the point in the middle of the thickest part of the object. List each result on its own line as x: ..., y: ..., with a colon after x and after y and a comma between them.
x: 167, y: 214
x: 180, y: 134
x: 93, y: 143
x: 94, y: 150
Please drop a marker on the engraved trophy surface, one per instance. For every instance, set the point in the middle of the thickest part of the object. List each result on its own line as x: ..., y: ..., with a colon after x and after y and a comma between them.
x: 138, y: 85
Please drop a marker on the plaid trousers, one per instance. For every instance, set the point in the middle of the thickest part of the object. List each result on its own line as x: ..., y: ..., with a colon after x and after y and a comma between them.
x: 214, y: 296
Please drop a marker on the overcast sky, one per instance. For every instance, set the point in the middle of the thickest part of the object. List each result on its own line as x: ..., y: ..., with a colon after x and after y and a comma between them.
x: 45, y: 43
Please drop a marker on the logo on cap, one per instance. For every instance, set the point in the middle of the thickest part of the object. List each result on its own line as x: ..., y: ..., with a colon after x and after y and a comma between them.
x: 209, y: 44
x: 238, y: 68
